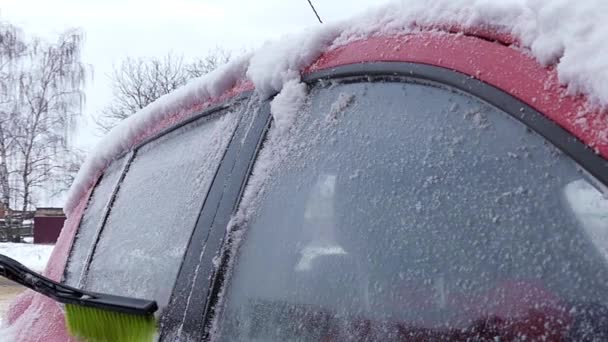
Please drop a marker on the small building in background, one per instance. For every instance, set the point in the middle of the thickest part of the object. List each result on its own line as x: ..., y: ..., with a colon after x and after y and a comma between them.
x: 47, y: 225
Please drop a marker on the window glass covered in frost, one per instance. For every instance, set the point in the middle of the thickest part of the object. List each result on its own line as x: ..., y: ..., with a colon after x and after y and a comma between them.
x: 91, y: 221
x: 155, y: 210
x: 416, y: 212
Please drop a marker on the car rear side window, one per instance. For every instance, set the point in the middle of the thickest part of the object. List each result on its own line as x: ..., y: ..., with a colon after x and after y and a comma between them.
x: 141, y: 246
x: 91, y: 221
x: 412, y: 211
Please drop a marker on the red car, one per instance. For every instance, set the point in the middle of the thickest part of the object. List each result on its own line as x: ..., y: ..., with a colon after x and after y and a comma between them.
x: 433, y: 184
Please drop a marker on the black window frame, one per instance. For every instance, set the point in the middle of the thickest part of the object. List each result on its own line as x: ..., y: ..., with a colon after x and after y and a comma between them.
x: 208, y: 235
x: 595, y: 165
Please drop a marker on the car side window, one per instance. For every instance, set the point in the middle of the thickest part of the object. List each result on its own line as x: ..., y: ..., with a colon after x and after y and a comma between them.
x: 142, y: 243
x: 412, y: 211
x: 91, y: 221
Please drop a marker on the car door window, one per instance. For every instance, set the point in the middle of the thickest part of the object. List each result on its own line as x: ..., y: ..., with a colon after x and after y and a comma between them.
x: 412, y: 211
x: 140, y: 248
x: 91, y: 221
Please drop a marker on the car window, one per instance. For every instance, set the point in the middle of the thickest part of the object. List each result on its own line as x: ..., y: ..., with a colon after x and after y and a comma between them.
x: 155, y: 210
x: 91, y: 220
x: 413, y: 211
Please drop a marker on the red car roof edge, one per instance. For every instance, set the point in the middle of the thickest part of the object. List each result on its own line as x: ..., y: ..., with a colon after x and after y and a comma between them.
x: 505, y: 67
x: 177, y: 117
x: 494, y: 34
x: 245, y: 85
x: 462, y: 49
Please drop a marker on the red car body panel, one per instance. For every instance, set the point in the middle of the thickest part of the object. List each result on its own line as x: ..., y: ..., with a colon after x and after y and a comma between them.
x: 508, y: 68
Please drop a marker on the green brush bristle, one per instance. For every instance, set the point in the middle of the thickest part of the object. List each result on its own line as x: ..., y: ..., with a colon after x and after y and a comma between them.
x: 98, y: 325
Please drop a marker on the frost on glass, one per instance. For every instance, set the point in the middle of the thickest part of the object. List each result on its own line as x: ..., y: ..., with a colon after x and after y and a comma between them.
x: 91, y: 220
x: 590, y: 207
x: 415, y: 213
x: 143, y: 242
x: 319, y: 224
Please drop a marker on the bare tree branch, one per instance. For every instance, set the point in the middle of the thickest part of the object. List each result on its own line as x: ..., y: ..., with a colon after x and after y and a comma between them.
x: 139, y: 81
x: 210, y: 62
x: 41, y: 94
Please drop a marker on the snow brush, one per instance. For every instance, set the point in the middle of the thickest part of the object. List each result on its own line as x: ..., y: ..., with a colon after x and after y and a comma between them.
x: 90, y: 316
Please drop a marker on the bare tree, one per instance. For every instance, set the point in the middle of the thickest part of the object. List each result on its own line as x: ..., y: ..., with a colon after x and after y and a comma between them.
x: 42, y: 94
x: 210, y: 62
x: 71, y: 163
x: 12, y: 48
x: 139, y: 81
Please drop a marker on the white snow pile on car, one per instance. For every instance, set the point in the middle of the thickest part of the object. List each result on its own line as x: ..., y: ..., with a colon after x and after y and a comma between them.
x: 569, y: 34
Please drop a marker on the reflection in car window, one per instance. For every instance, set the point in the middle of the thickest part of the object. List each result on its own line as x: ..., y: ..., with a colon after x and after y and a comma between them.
x: 415, y: 212
x: 143, y: 241
x: 590, y: 206
x: 91, y: 220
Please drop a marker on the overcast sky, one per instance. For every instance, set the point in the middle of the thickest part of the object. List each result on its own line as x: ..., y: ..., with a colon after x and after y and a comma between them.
x: 115, y: 29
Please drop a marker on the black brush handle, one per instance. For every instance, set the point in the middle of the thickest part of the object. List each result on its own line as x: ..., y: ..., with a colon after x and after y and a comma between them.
x: 15, y: 271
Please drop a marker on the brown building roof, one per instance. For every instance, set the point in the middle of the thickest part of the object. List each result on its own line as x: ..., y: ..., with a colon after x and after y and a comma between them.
x: 49, y: 212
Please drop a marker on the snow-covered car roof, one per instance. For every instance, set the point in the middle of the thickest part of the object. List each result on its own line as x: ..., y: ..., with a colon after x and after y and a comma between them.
x: 564, y: 35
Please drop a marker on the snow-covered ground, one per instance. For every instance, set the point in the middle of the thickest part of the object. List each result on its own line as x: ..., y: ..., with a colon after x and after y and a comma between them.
x: 32, y: 256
